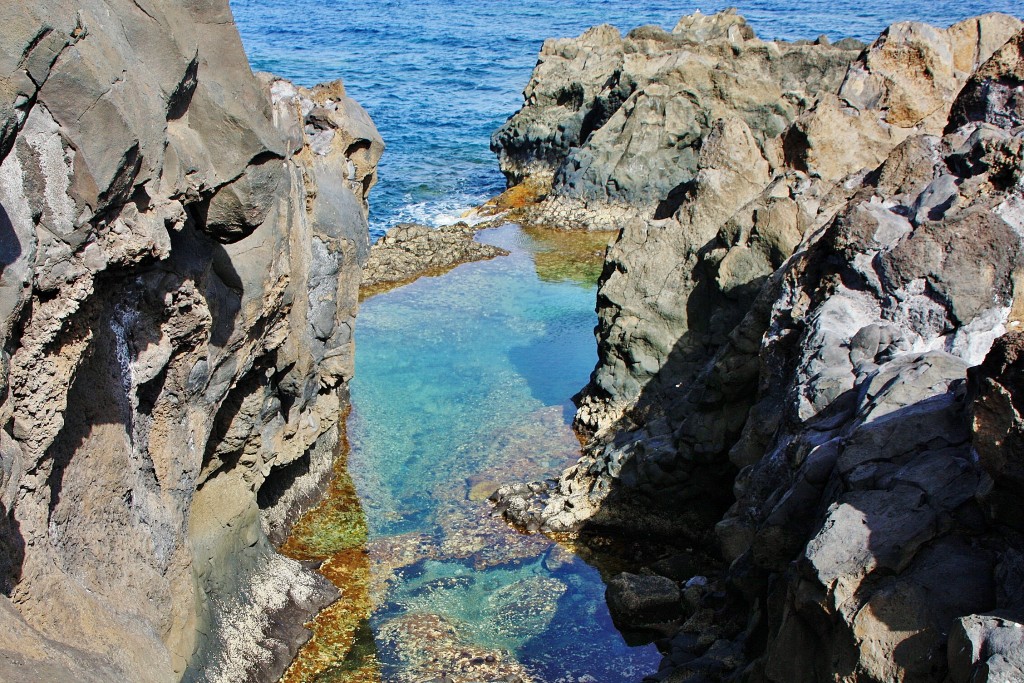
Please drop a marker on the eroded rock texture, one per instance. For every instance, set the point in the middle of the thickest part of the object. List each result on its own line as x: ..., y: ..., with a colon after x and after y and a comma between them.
x: 181, y: 244
x: 409, y: 251
x: 784, y: 369
x: 616, y: 125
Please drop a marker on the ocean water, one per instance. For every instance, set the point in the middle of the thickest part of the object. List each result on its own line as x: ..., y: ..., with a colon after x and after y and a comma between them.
x: 438, y: 76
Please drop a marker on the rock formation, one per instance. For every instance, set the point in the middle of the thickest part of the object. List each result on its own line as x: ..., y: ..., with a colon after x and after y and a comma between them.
x: 723, y: 152
x: 409, y: 251
x: 181, y: 246
x: 614, y: 126
x: 783, y: 367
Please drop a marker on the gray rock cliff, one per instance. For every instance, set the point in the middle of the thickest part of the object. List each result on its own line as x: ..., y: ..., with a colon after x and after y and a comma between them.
x: 784, y: 375
x: 740, y: 151
x: 181, y: 245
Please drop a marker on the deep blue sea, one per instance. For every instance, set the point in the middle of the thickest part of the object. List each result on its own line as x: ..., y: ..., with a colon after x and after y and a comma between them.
x: 438, y: 76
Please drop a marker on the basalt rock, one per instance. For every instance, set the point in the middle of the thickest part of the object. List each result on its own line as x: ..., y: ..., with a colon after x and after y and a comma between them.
x: 181, y: 248
x: 409, y: 251
x: 827, y: 435
x: 722, y: 153
x: 616, y: 125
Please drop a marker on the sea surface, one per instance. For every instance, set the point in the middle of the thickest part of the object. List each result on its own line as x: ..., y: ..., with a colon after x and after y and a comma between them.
x: 438, y: 76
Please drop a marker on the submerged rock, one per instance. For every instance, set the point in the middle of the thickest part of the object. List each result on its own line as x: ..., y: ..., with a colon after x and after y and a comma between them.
x: 181, y: 259
x: 638, y: 601
x: 430, y: 649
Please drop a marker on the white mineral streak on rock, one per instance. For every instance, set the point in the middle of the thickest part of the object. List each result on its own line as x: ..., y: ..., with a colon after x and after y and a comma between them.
x: 278, y: 582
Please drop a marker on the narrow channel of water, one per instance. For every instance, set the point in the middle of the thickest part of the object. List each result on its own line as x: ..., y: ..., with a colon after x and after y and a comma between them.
x: 463, y: 382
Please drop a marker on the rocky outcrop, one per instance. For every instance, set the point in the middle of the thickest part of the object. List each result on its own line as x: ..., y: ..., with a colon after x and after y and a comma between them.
x: 615, y: 125
x: 716, y: 163
x: 181, y: 246
x: 409, y: 251
x: 819, y: 426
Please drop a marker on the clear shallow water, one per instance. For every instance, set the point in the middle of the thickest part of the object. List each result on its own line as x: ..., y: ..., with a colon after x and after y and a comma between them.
x: 438, y: 76
x: 462, y: 382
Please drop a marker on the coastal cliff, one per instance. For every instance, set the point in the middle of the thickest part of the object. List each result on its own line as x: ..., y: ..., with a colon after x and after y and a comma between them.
x: 785, y: 346
x: 181, y: 247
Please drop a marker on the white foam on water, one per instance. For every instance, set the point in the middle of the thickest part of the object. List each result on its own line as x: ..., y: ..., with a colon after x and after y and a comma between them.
x: 435, y: 213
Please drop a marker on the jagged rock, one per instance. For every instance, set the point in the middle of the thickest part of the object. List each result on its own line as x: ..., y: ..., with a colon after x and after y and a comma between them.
x: 696, y: 253
x: 993, y: 94
x: 999, y: 429
x: 181, y: 247
x: 409, y: 251
x: 636, y: 600
x: 616, y: 123
x: 819, y: 419
x: 986, y: 649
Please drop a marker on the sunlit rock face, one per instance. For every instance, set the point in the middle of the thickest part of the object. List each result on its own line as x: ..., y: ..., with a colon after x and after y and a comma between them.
x: 808, y: 412
x: 713, y: 153
x: 181, y: 243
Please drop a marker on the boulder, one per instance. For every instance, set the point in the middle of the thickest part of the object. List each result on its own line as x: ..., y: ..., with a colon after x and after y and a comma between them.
x: 986, y: 649
x: 637, y: 600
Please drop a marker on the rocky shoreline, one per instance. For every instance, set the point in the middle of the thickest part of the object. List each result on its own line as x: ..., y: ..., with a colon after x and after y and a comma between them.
x: 815, y: 245
x: 409, y: 251
x: 810, y: 354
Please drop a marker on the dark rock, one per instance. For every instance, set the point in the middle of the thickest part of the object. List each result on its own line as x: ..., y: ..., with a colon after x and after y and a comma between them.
x: 987, y: 649
x: 993, y: 94
x: 996, y: 408
x: 637, y: 600
x: 783, y: 353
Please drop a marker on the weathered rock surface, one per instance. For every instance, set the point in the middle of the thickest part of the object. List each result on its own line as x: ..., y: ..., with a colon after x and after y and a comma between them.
x: 638, y: 600
x: 409, y: 251
x: 181, y: 247
x: 616, y: 124
x: 430, y: 649
x: 792, y: 346
x: 714, y: 153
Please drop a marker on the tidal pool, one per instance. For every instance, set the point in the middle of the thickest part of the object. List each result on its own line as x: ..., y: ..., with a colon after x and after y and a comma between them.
x: 463, y: 382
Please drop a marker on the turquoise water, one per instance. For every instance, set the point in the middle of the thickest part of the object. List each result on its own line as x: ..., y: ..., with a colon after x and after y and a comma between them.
x: 462, y: 382
x: 438, y: 76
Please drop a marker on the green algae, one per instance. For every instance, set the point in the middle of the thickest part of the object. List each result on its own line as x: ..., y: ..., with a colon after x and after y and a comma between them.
x: 337, y: 524
x: 334, y: 533
x: 569, y: 255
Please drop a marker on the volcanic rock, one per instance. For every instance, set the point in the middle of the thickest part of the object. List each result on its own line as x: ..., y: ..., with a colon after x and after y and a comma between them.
x: 181, y: 249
